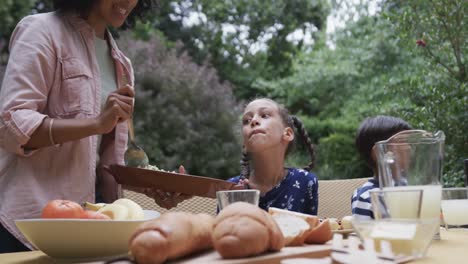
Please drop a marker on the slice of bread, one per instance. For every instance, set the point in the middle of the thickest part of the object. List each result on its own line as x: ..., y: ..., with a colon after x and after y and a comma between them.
x: 294, y: 229
x: 321, y: 234
x: 311, y: 219
x: 294, y: 226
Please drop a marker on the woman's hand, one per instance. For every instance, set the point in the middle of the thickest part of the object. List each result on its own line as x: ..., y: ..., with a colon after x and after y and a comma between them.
x: 164, y: 199
x: 118, y: 108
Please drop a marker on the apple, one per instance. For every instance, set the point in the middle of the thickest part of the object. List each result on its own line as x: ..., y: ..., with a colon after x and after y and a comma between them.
x: 115, y: 211
x: 62, y: 209
x: 135, y: 212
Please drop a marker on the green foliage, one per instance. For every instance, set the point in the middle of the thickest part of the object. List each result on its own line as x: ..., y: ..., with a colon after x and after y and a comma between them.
x: 340, y: 159
x: 437, y: 88
x: 441, y: 25
x: 143, y: 31
x: 250, y: 22
x: 11, y: 12
x: 440, y: 103
x: 184, y: 114
x: 375, y: 67
x: 334, y: 90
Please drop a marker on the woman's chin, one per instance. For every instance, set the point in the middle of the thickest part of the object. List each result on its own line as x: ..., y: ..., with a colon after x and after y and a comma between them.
x: 117, y: 23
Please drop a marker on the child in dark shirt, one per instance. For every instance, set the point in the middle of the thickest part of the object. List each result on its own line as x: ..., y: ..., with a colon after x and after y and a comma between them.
x: 371, y: 131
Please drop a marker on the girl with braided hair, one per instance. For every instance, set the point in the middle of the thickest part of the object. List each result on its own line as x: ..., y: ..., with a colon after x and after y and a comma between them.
x: 268, y: 136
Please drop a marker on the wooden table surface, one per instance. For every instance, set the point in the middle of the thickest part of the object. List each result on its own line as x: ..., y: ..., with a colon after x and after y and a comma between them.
x: 452, y: 248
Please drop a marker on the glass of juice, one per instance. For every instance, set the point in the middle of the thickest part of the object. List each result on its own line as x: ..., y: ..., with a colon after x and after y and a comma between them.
x: 398, y: 203
x: 226, y: 198
x: 407, y: 237
x: 455, y: 207
x: 398, y: 221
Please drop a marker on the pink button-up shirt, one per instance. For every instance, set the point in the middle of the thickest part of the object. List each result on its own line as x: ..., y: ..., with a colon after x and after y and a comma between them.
x: 52, y: 72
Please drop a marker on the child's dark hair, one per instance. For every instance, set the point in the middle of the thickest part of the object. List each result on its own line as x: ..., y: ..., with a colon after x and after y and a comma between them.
x: 374, y: 129
x: 288, y: 121
x: 84, y: 6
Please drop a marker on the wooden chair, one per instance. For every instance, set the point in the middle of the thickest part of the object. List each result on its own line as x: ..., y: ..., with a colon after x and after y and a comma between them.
x: 195, y: 205
x: 335, y: 197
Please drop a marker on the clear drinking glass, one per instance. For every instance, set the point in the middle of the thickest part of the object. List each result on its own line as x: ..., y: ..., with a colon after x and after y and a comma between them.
x: 409, y: 237
x: 396, y: 204
x: 455, y: 207
x: 398, y: 221
x: 226, y: 198
x: 412, y: 159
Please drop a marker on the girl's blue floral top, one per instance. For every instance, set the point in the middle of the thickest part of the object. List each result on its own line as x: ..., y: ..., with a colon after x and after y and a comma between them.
x: 298, y: 192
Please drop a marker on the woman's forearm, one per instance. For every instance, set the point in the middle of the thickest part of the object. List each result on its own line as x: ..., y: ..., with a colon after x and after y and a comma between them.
x: 62, y: 130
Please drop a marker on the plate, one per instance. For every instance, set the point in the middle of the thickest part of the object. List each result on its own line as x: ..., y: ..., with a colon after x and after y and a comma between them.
x: 343, y: 231
x: 81, y: 238
x: 169, y: 181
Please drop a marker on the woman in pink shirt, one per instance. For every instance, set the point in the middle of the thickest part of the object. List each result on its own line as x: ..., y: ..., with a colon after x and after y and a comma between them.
x: 58, y: 125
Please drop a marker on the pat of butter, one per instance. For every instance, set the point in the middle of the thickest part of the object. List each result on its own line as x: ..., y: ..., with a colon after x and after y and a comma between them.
x: 390, y: 230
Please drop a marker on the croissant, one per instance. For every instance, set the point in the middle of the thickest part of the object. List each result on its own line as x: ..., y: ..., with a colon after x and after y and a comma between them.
x: 172, y: 235
x: 243, y: 230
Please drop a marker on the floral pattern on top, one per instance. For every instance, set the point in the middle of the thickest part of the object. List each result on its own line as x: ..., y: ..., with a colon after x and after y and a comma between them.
x: 297, y: 192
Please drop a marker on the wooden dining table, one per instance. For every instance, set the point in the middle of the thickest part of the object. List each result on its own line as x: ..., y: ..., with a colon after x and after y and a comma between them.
x: 451, y: 249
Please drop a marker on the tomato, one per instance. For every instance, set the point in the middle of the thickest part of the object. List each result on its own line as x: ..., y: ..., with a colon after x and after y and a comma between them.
x: 62, y: 209
x: 88, y: 214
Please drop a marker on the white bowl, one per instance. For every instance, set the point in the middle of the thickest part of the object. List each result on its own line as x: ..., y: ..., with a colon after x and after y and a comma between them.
x: 81, y: 238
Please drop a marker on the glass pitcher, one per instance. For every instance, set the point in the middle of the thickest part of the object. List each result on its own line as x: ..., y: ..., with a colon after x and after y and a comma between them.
x: 412, y: 159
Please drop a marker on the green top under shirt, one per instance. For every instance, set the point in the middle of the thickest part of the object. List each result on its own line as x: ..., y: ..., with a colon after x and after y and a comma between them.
x: 106, y: 67
x: 107, y: 70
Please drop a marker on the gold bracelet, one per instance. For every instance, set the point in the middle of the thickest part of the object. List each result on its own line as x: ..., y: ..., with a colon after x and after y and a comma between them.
x: 50, y: 132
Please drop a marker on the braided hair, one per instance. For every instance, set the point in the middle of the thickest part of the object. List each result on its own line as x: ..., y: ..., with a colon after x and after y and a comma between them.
x: 306, y: 142
x: 245, y: 165
x: 288, y: 121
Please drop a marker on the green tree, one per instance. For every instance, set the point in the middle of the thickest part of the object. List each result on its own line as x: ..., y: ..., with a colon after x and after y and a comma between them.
x: 242, y: 39
x: 382, y: 66
x: 439, y: 27
x: 11, y: 12
x: 335, y: 89
x: 436, y: 32
x: 183, y: 113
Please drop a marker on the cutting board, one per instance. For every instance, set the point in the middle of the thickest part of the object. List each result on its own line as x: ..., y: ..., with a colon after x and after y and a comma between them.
x: 306, y: 251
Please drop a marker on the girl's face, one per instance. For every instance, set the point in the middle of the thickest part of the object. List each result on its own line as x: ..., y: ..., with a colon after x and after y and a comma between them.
x: 263, y: 128
x: 113, y: 12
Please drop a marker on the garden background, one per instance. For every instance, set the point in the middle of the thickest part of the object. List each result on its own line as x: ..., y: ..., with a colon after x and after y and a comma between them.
x: 331, y: 62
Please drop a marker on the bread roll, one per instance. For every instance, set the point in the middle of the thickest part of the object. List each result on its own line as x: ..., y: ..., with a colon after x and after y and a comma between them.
x: 170, y: 236
x: 320, y: 234
x: 242, y: 230
x: 346, y: 222
x: 294, y: 226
